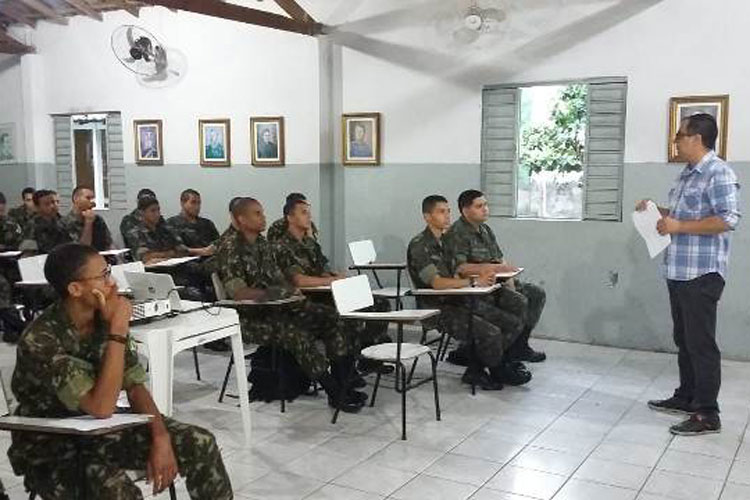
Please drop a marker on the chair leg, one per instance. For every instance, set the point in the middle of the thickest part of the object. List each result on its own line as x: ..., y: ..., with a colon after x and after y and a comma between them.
x: 343, y: 390
x: 375, y: 389
x: 411, y: 372
x: 226, y: 379
x: 195, y: 362
x: 172, y: 492
x: 433, y: 361
x: 403, y: 401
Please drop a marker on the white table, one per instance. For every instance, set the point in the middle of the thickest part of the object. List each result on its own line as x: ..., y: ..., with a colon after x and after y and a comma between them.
x: 164, y: 338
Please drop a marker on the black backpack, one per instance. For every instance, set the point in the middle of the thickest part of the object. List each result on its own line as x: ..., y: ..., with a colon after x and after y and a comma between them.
x: 265, y: 381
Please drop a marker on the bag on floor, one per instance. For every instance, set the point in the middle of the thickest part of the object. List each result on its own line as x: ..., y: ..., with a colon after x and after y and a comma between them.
x: 265, y: 381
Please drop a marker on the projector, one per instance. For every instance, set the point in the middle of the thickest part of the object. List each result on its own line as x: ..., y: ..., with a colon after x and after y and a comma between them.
x: 150, y: 309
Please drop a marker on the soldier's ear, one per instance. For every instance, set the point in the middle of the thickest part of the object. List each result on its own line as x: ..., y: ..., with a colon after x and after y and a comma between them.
x: 75, y: 289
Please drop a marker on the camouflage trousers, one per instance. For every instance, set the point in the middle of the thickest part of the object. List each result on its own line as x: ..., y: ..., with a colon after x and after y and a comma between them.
x: 6, y: 292
x: 491, y: 341
x: 296, y: 329
x: 106, y: 459
x: 522, y: 309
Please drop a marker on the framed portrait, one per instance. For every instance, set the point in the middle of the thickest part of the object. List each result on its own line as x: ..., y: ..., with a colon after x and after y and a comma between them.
x: 215, y: 142
x: 8, y: 143
x: 267, y: 141
x: 684, y: 107
x: 361, y: 138
x: 149, y: 145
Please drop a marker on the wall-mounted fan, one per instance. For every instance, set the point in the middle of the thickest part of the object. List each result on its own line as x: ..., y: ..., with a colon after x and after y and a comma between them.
x: 142, y: 53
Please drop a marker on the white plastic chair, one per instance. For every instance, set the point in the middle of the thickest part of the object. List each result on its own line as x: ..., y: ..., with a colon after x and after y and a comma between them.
x: 351, y: 295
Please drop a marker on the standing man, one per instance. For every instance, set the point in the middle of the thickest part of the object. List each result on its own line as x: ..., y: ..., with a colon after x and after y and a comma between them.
x: 703, y: 211
x: 473, y: 245
x: 85, y: 225
x: 23, y: 213
x: 198, y: 233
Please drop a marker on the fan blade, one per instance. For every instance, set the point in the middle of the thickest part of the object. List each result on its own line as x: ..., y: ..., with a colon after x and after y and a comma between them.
x: 465, y: 36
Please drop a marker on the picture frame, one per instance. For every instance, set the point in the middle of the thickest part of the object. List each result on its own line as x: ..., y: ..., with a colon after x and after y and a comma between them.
x: 360, y: 139
x: 267, y: 141
x: 8, y: 152
x: 215, y: 140
x: 683, y: 107
x: 149, y: 142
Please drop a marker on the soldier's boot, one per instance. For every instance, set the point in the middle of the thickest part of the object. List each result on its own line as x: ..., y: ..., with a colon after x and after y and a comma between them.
x: 478, y: 376
x: 342, y: 368
x: 12, y: 323
x: 511, y: 373
x: 333, y: 391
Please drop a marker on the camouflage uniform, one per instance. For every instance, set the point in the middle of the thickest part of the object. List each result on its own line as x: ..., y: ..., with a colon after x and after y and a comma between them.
x: 10, y: 239
x: 101, y: 239
x: 43, y: 234
x: 280, y: 227
x: 294, y: 328
x: 55, y: 367
x: 522, y: 307
x: 427, y: 258
x: 198, y: 234
x: 21, y: 216
x: 142, y: 240
x: 128, y: 224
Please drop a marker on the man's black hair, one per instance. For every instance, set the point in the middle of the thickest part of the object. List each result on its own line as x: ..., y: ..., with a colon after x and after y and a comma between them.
x: 290, y: 205
x: 428, y: 204
x: 146, y: 202
x: 185, y: 195
x: 78, y: 189
x: 705, y: 125
x: 27, y: 190
x: 64, y: 264
x: 145, y: 193
x: 466, y: 198
x: 295, y: 196
x: 233, y: 201
x: 41, y: 193
x: 241, y: 205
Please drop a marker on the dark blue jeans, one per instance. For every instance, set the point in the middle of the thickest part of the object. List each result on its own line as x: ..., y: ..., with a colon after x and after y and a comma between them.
x: 694, y: 316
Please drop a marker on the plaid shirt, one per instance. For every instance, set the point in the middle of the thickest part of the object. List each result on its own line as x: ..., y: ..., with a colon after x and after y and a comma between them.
x: 708, y: 189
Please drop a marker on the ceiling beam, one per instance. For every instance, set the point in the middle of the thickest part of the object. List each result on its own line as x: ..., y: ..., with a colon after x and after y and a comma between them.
x: 217, y: 8
x: 84, y: 8
x: 9, y: 45
x: 11, y: 12
x: 296, y: 12
x: 46, y: 11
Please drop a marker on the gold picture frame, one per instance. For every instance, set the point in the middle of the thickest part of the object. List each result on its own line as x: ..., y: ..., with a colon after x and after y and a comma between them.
x: 360, y: 135
x: 148, y: 140
x: 683, y: 107
x: 215, y: 140
x: 267, y: 141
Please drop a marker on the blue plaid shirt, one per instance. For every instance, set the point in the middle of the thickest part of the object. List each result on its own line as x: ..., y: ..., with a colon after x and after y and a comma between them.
x: 707, y: 189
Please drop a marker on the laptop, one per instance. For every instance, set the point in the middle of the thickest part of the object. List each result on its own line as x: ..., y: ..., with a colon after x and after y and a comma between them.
x: 154, y: 294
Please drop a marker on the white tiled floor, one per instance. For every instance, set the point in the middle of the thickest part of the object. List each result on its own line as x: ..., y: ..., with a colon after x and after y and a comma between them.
x: 579, y: 431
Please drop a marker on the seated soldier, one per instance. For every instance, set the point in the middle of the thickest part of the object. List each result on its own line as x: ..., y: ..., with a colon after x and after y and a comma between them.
x: 83, y: 224
x: 197, y: 233
x: 73, y: 360
x: 130, y: 221
x: 279, y: 226
x: 45, y: 230
x: 23, y: 213
x: 430, y: 266
x: 232, y: 229
x: 152, y: 239
x: 474, y: 248
x: 248, y: 269
x: 10, y: 238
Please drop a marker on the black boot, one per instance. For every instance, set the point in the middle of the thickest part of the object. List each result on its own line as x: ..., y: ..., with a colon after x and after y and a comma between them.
x: 479, y: 378
x: 333, y: 391
x: 511, y: 373
x: 13, y: 325
x: 342, y: 368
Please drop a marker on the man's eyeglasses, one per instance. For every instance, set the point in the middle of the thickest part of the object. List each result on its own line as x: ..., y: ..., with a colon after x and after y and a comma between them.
x: 106, y: 275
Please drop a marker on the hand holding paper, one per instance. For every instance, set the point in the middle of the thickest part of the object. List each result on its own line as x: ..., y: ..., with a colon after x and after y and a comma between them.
x: 645, y: 222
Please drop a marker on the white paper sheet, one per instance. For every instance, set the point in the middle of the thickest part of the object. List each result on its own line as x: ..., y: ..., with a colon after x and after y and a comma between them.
x: 9, y: 254
x: 114, y: 252
x: 645, y: 223
x: 176, y: 261
x: 81, y: 424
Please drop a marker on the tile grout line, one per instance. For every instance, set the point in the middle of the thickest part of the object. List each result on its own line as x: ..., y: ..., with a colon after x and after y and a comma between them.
x: 734, y: 459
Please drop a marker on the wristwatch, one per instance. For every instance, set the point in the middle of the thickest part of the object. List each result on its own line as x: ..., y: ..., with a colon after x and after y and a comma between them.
x: 472, y: 281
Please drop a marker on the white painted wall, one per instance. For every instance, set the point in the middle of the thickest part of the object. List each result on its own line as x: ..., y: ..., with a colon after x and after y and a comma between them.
x: 235, y: 71
x: 676, y: 47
